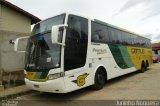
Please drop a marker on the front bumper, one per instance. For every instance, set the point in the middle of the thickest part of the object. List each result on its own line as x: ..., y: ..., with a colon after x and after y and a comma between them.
x: 54, y: 86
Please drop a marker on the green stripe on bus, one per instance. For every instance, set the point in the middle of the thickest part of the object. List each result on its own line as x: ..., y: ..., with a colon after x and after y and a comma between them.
x: 126, y: 56
x: 121, y: 56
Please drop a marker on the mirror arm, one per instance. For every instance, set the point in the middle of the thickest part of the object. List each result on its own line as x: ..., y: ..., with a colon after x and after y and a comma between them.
x: 61, y: 44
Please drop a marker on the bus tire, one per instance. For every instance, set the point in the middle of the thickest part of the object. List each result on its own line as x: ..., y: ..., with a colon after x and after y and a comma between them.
x: 99, y: 80
x: 143, y: 67
x: 147, y: 64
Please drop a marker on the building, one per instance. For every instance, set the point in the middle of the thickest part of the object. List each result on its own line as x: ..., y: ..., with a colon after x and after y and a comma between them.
x: 156, y: 48
x: 14, y: 22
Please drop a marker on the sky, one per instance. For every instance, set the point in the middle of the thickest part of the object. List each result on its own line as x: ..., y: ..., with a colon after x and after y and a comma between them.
x: 139, y: 16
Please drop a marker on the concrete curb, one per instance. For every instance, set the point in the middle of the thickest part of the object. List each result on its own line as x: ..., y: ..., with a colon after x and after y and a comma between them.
x: 14, y: 92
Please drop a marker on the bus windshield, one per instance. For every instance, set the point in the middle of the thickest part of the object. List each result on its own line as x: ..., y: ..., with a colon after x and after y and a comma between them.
x: 41, y: 53
x: 46, y: 25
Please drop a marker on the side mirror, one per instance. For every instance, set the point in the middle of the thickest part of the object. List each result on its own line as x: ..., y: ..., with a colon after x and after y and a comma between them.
x: 16, y: 43
x: 55, y: 34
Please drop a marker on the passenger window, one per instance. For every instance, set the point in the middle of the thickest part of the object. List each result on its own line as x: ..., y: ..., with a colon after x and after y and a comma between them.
x: 112, y: 36
x: 119, y: 36
x: 126, y: 38
x: 99, y: 33
x: 123, y: 38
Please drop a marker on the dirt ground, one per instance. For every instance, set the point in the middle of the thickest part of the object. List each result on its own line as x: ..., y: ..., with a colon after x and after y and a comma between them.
x: 134, y: 86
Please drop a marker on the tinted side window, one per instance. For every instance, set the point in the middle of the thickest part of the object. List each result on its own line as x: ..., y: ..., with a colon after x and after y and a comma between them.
x: 126, y: 38
x: 141, y: 41
x: 99, y: 33
x: 136, y: 40
x: 115, y: 36
x: 112, y: 35
x: 123, y: 38
x: 132, y: 39
x: 119, y: 37
x: 129, y: 40
x: 148, y: 43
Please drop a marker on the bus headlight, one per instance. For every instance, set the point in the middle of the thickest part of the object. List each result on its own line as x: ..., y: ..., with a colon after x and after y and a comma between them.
x: 55, y: 76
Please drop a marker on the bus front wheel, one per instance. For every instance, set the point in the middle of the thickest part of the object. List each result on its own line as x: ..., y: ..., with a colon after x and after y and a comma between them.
x: 99, y: 80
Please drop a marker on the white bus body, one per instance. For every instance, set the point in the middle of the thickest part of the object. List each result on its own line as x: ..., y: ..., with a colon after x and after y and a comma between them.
x: 78, y: 62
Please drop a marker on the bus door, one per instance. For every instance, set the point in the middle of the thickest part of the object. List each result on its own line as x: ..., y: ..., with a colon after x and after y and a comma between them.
x: 75, y: 53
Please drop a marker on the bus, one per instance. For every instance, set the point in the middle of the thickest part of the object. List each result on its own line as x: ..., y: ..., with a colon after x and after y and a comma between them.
x: 68, y: 52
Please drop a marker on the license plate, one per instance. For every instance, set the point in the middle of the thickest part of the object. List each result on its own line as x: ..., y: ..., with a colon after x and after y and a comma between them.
x: 36, y: 86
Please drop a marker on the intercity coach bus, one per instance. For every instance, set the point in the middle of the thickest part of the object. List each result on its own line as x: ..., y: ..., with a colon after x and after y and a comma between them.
x: 68, y: 52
